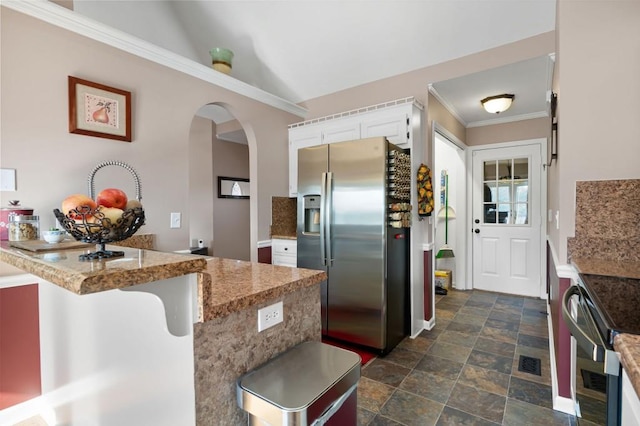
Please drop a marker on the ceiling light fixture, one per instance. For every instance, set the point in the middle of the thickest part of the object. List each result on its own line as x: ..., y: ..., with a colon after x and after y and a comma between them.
x: 497, y: 104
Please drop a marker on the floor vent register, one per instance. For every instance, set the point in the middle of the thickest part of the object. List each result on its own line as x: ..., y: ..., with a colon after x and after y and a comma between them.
x: 530, y: 365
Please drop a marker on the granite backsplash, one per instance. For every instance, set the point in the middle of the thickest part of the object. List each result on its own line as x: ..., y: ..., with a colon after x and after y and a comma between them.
x: 607, y: 221
x: 284, y: 217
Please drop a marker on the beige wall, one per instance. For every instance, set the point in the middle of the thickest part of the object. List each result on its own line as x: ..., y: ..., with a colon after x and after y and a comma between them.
x: 201, y: 180
x: 509, y: 132
x: 415, y: 83
x: 230, y: 216
x: 598, y: 96
x: 436, y: 112
x: 51, y: 163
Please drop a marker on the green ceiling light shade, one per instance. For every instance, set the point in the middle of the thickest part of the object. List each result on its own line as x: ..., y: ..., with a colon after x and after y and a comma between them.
x: 497, y: 104
x: 221, y: 59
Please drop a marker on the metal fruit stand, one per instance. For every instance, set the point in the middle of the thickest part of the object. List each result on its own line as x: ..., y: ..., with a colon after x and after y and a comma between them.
x: 92, y: 226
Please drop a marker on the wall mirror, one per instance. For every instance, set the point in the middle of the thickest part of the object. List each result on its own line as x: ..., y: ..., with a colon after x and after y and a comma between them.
x: 229, y: 187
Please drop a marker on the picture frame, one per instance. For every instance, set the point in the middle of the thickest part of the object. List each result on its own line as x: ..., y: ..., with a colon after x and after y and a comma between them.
x: 230, y: 187
x: 99, y: 110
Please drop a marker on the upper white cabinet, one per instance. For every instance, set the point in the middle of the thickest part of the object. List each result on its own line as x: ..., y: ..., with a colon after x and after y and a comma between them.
x: 346, y: 129
x: 300, y: 137
x: 394, y: 124
x: 395, y: 120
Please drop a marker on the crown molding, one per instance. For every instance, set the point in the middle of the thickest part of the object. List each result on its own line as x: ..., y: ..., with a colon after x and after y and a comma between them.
x: 509, y: 119
x: 66, y: 19
x: 447, y: 105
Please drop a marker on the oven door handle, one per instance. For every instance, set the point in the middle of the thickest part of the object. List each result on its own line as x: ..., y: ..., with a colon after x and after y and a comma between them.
x: 596, y: 351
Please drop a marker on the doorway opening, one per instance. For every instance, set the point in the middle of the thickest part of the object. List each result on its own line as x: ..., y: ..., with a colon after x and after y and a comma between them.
x: 450, y: 197
x: 508, y: 205
x: 218, y: 148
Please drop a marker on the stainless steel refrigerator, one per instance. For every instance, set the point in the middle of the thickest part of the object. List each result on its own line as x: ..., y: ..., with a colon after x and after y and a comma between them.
x: 349, y: 209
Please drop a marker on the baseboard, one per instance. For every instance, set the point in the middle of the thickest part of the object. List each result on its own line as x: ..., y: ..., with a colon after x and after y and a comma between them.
x: 560, y: 403
x: 429, y: 324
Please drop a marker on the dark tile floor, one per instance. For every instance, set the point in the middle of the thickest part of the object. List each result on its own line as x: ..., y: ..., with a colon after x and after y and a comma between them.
x: 465, y: 370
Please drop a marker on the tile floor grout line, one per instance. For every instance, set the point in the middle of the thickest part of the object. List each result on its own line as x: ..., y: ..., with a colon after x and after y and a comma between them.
x: 440, y: 330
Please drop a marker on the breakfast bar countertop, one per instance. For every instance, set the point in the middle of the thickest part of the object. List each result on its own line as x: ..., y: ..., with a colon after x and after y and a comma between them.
x: 229, y: 285
x: 224, y: 285
x: 137, y: 266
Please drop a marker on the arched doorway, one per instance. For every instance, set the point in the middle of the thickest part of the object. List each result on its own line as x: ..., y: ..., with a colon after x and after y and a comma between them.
x: 219, y: 149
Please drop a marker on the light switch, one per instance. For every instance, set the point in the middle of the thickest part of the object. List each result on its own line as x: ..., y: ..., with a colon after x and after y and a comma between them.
x: 176, y: 220
x: 7, y: 179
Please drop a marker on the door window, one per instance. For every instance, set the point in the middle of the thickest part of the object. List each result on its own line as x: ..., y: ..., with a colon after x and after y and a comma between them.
x: 506, y: 191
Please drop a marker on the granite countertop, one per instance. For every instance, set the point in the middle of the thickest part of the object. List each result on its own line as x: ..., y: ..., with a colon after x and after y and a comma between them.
x: 63, y: 268
x: 284, y: 237
x: 224, y: 285
x: 628, y: 346
x: 231, y: 285
x: 609, y: 268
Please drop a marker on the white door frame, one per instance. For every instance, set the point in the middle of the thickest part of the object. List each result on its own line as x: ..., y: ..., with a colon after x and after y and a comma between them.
x: 462, y: 239
x: 543, y: 206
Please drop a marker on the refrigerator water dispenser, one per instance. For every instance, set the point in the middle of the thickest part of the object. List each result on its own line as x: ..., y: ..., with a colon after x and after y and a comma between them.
x: 312, y: 214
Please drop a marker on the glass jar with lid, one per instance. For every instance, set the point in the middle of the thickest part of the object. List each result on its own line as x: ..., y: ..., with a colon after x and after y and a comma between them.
x: 24, y: 227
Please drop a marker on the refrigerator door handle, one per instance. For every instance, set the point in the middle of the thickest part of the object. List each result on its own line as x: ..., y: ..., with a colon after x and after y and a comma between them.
x: 323, y: 212
x: 327, y: 222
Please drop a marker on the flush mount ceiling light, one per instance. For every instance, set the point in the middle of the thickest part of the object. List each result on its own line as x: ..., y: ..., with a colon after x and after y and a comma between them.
x: 497, y: 104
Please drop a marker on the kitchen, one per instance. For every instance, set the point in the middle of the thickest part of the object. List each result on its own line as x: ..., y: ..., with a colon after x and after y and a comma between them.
x: 580, y: 145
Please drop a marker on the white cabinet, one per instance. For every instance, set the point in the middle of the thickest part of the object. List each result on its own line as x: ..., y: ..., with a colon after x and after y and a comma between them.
x: 346, y: 129
x: 397, y: 121
x: 284, y: 252
x: 394, y: 123
x: 630, y: 406
x: 300, y: 137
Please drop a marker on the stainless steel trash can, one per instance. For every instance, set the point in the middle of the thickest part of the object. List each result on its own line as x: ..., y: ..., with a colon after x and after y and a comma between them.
x: 310, y: 384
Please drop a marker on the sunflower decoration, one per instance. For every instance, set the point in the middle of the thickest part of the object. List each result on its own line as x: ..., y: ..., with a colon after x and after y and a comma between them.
x: 425, y: 191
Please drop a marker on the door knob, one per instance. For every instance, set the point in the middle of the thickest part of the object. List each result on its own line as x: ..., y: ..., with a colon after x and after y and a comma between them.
x: 477, y: 231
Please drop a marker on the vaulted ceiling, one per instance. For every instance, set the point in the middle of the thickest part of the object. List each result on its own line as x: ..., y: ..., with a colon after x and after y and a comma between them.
x: 303, y: 49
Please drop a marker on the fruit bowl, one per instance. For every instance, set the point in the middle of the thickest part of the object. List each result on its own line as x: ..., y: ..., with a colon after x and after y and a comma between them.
x: 92, y: 225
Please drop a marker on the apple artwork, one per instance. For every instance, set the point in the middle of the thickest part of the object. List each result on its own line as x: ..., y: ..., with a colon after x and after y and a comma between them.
x: 80, y: 203
x: 112, y: 197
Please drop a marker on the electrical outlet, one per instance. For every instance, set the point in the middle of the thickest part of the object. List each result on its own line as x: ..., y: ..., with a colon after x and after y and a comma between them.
x: 269, y: 316
x: 176, y: 220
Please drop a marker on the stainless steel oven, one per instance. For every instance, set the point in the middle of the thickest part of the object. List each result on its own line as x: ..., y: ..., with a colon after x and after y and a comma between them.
x: 596, y: 369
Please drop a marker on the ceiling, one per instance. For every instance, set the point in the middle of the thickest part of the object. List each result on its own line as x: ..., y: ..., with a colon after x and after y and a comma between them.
x: 303, y: 49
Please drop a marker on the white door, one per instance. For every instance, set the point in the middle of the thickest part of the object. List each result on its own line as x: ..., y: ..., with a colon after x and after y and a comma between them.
x: 507, y: 220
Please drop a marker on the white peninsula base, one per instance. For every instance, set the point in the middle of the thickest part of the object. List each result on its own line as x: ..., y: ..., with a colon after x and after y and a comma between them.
x: 118, y: 357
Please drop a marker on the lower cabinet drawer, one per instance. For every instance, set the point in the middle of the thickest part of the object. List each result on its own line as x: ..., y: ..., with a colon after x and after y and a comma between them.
x: 284, y: 252
x: 284, y: 260
x: 286, y: 247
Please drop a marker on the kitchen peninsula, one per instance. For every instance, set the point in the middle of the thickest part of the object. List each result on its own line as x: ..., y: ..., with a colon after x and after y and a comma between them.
x: 158, y: 338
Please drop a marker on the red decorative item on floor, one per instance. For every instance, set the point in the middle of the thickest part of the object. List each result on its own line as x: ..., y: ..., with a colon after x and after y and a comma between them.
x: 365, y: 355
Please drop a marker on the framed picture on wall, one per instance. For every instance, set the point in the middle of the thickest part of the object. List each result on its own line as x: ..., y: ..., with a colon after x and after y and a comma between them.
x: 229, y: 187
x: 99, y: 110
